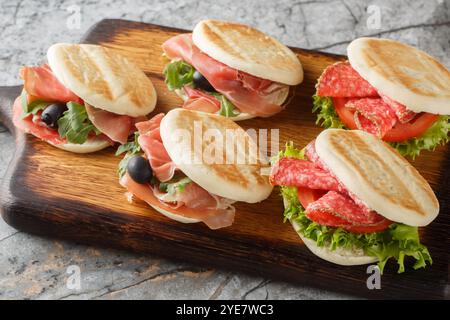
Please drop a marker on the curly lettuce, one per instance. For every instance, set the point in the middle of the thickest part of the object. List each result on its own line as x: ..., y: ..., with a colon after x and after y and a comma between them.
x: 433, y: 137
x: 396, y: 242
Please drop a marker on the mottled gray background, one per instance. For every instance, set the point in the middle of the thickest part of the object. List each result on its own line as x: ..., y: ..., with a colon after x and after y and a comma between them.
x: 35, y: 268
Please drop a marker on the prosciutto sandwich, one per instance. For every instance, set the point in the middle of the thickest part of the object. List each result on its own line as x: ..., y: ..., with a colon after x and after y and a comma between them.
x: 178, y: 173
x: 85, y: 99
x: 355, y: 200
x: 231, y: 69
x: 392, y: 90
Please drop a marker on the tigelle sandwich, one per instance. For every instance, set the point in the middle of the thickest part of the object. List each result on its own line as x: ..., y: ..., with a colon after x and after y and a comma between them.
x: 354, y: 200
x: 85, y: 99
x: 231, y: 69
x: 389, y: 89
x: 181, y: 177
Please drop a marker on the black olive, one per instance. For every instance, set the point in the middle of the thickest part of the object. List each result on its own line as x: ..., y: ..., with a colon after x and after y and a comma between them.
x: 201, y: 82
x: 52, y: 113
x: 139, y: 169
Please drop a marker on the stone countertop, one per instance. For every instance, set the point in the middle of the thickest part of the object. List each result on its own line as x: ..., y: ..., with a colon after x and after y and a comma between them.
x: 33, y: 267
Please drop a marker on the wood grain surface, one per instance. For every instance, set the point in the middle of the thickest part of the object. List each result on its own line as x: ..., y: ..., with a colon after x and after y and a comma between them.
x: 50, y: 192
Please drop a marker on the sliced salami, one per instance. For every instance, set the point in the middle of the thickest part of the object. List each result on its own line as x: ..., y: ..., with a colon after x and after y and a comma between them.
x: 403, y: 114
x: 340, y: 80
x: 373, y: 115
x: 302, y: 173
x: 337, y: 210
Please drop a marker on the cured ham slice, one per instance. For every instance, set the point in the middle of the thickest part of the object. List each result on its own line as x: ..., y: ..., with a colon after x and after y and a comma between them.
x: 373, y: 115
x: 340, y: 80
x: 214, y: 217
x: 200, y: 101
x: 116, y: 127
x: 403, y: 114
x: 151, y: 143
x: 248, y: 93
x: 33, y: 125
x: 42, y: 83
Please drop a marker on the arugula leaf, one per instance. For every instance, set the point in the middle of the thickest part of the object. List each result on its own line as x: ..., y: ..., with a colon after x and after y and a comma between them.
x: 131, y: 148
x: 434, y: 136
x: 32, y: 107
x: 75, y: 125
x: 227, y: 109
x: 175, y: 185
x: 396, y: 242
x: 178, y: 74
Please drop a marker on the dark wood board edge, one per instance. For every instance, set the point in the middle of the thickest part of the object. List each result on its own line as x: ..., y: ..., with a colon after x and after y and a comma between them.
x: 11, y: 208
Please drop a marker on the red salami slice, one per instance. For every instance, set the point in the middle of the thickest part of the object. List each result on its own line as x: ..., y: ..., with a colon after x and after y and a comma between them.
x: 373, y: 115
x: 340, y: 80
x: 403, y: 114
x: 302, y: 173
x: 337, y: 210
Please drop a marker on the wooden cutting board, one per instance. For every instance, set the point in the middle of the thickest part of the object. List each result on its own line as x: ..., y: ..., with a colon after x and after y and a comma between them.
x: 50, y: 192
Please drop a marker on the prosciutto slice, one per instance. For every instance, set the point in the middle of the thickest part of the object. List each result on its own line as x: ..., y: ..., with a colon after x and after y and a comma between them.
x: 33, y: 125
x: 151, y: 143
x: 213, y: 216
x: 116, y: 127
x: 248, y: 93
x: 200, y: 101
x: 42, y: 83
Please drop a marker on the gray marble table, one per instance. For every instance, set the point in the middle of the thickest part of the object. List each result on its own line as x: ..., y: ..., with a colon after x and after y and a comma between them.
x: 33, y: 267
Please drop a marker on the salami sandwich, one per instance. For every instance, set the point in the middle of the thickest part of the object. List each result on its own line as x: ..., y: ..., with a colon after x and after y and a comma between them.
x: 190, y: 176
x: 390, y: 89
x: 85, y: 99
x: 353, y: 199
x: 231, y: 69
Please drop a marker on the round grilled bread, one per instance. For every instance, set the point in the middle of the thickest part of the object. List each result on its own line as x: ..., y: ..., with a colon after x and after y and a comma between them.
x: 378, y: 175
x: 173, y: 216
x: 103, y: 78
x: 247, y: 49
x: 91, y: 145
x: 189, y: 136
x: 403, y: 73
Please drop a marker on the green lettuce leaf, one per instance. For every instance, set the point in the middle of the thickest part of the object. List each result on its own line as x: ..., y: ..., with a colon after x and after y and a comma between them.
x: 397, y: 242
x: 178, y: 74
x: 75, y: 125
x: 436, y: 135
x: 174, y: 185
x: 131, y: 148
x: 33, y: 107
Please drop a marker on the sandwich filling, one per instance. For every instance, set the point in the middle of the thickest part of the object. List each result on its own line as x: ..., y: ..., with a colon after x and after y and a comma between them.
x: 168, y: 188
x: 333, y: 217
x: 345, y: 100
x: 211, y: 86
x: 53, y: 113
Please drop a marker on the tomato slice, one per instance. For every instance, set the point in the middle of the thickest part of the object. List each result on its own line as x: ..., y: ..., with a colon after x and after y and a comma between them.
x: 414, y: 128
x: 345, y: 114
x: 400, y: 132
x: 306, y: 196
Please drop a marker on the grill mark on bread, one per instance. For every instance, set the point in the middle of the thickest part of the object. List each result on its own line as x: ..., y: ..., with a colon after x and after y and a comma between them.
x: 86, y: 70
x: 389, y: 59
x: 404, y: 196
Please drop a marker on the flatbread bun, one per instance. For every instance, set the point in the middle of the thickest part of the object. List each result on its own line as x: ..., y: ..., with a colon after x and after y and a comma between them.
x: 91, y: 145
x: 403, y: 73
x: 103, y: 78
x: 202, y: 146
x: 240, y: 117
x: 247, y: 49
x: 378, y: 175
x: 173, y: 216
